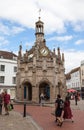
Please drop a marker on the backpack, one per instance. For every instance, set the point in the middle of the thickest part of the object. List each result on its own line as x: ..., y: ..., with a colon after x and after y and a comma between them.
x: 61, y: 104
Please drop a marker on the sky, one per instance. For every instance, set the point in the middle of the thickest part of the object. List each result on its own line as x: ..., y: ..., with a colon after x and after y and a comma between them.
x: 63, y: 26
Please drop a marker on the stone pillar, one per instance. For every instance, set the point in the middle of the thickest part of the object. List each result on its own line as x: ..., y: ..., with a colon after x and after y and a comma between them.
x: 51, y: 93
x: 35, y: 94
x: 22, y: 93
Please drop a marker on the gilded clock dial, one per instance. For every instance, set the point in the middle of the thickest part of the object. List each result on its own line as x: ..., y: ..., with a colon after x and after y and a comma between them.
x: 30, y: 56
x: 44, y: 51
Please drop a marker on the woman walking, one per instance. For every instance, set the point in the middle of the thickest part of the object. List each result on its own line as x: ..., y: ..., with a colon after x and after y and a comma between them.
x: 67, y: 110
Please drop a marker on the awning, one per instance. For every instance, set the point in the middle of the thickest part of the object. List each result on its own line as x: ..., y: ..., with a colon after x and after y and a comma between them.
x: 71, y: 90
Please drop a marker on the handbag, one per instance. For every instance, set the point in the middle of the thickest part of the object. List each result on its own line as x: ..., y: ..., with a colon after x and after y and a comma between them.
x: 12, y: 106
x: 9, y: 107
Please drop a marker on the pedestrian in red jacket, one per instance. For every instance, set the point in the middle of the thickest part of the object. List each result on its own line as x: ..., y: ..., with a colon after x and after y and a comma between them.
x: 6, y: 102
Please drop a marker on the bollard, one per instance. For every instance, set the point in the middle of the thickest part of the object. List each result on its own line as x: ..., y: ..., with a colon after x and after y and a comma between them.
x: 24, y: 113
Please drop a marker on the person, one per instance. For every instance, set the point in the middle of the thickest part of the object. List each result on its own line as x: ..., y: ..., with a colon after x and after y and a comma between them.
x: 6, y: 102
x: 42, y: 98
x: 69, y: 95
x: 76, y: 98
x: 1, y: 102
x: 67, y: 110
x: 59, y: 104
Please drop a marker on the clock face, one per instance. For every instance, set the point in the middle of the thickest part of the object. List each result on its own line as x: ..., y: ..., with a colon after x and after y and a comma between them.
x: 30, y: 56
x: 44, y: 51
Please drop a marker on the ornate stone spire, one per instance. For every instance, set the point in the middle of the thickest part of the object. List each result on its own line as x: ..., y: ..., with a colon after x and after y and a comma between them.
x: 20, y: 51
x: 59, y: 56
x: 63, y: 57
x: 39, y: 31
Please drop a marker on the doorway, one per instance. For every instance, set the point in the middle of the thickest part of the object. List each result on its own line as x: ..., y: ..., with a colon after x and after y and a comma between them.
x: 28, y: 91
x: 45, y: 89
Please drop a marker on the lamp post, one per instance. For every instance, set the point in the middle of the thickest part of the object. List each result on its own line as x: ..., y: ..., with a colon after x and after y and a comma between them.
x: 24, y: 112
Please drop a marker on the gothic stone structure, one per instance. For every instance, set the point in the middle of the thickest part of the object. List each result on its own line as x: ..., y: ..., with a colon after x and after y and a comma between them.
x: 40, y: 70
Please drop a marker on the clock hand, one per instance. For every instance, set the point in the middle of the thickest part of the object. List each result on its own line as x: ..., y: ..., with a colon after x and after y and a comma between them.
x: 44, y: 51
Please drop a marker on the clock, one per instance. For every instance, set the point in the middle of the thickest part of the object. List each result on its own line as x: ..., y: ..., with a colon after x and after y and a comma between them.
x: 44, y: 51
x: 30, y: 56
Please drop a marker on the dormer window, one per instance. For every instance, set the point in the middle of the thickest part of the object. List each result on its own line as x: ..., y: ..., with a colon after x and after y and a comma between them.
x: 14, y: 58
x: 1, y: 57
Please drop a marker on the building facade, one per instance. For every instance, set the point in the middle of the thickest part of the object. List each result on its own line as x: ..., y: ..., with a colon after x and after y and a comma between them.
x: 68, y: 81
x: 73, y: 79
x: 82, y: 78
x: 8, y: 69
x: 82, y: 73
x: 40, y: 70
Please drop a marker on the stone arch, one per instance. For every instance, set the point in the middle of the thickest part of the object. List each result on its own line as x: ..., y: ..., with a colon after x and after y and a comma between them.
x: 44, y: 80
x: 45, y: 87
x: 27, y: 90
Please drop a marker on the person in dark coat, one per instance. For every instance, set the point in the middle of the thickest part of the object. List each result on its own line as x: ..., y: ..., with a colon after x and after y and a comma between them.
x: 1, y: 102
x: 59, y: 110
x: 76, y: 98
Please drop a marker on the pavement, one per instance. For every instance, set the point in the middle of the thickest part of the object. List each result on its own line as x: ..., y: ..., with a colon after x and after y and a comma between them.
x: 79, y: 106
x: 40, y: 118
x: 16, y: 121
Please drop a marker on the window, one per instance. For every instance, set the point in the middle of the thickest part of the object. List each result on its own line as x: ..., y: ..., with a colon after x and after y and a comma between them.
x: 82, y: 71
x: 14, y: 80
x: 2, y: 78
x: 2, y: 67
x: 83, y: 82
x: 1, y: 57
x: 15, y: 69
x: 14, y: 58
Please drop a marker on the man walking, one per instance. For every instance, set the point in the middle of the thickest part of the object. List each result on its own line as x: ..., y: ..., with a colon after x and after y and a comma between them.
x: 76, y: 98
x: 59, y: 110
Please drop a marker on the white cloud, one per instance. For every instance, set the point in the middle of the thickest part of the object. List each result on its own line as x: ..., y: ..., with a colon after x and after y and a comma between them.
x: 16, y: 30
x: 3, y: 41
x: 73, y: 59
x: 79, y: 27
x: 54, y: 13
x: 79, y: 42
x: 6, y: 30
x: 61, y: 38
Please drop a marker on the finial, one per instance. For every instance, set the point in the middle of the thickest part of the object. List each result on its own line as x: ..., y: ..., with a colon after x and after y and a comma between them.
x: 39, y: 13
x: 62, y: 56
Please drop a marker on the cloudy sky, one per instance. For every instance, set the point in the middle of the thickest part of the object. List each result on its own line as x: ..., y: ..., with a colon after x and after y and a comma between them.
x: 63, y: 25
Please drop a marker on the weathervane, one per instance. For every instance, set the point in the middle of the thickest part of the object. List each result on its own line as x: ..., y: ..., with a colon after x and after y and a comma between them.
x: 39, y: 13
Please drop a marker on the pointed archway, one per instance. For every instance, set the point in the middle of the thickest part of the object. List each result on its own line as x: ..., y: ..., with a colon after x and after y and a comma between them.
x: 45, y: 89
x: 27, y: 91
